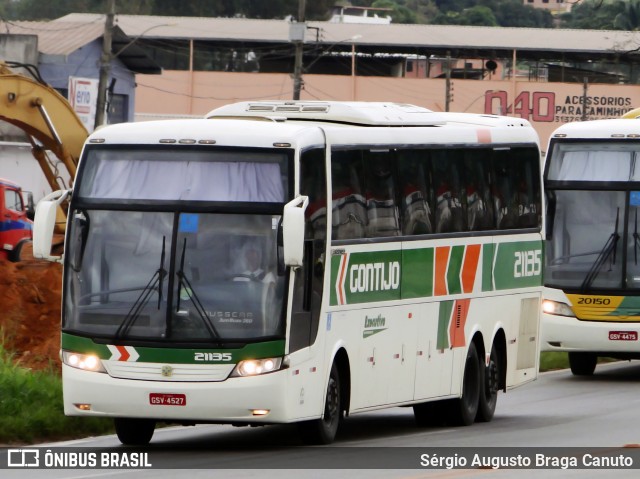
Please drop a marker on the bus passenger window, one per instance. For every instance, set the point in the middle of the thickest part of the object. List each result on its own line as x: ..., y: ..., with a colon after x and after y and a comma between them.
x: 313, y: 184
x: 449, y: 208
x: 382, y: 212
x: 478, y: 194
x: 528, y: 195
x: 349, y: 212
x: 415, y: 209
x: 505, y: 197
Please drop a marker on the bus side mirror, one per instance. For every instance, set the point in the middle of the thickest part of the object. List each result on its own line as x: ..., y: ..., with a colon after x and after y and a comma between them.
x: 293, y: 231
x: 44, y: 224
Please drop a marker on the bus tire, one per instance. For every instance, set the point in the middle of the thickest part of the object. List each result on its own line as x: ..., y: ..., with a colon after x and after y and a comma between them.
x: 463, y: 410
x: 582, y: 364
x: 134, y: 432
x: 490, y: 380
x: 324, y: 430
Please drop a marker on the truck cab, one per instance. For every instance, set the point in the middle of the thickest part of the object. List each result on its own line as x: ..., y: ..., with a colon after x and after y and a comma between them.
x: 15, y: 223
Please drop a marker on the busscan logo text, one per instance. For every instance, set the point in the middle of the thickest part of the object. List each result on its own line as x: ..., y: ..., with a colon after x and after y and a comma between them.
x: 36, y: 458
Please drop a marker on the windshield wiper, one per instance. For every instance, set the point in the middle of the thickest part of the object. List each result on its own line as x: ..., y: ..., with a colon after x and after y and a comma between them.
x: 154, y: 283
x: 183, y: 280
x: 607, y: 251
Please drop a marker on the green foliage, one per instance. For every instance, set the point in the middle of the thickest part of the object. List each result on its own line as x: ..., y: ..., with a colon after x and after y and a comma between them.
x: 400, y: 13
x: 629, y: 18
x: 585, y: 14
x: 550, y: 361
x: 593, y: 14
x: 31, y: 407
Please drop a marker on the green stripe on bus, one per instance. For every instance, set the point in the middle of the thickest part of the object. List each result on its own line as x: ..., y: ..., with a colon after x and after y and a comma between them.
x: 453, y: 271
x: 175, y: 355
x: 487, y: 266
x: 518, y: 265
x: 444, y: 316
x: 417, y: 273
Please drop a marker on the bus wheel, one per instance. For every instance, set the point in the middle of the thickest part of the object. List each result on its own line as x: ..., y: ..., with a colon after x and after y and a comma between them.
x: 323, y: 430
x: 463, y: 411
x: 582, y: 364
x: 490, y: 380
x: 134, y: 432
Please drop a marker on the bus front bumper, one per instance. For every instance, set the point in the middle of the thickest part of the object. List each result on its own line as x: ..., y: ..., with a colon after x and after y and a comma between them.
x: 562, y: 333
x: 250, y: 400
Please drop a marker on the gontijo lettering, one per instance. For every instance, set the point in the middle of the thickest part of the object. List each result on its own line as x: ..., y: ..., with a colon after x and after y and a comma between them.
x: 374, y: 277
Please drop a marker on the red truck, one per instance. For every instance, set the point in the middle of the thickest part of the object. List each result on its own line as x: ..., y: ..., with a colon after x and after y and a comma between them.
x: 15, y: 220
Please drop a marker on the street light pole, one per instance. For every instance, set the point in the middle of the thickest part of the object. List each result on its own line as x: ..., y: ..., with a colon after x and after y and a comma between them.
x: 297, y: 67
x: 105, y: 66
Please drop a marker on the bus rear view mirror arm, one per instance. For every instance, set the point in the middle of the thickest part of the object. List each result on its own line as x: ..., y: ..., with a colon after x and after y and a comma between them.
x: 293, y: 231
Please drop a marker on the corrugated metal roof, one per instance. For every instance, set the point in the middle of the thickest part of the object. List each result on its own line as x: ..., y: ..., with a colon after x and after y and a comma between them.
x: 58, y: 38
x: 440, y: 37
x: 63, y: 37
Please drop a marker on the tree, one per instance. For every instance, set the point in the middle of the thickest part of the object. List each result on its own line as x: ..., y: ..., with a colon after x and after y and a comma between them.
x: 592, y: 14
x: 629, y: 18
x: 399, y: 12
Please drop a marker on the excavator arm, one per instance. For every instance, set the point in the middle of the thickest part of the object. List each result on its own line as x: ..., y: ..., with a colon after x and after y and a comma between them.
x: 46, y: 117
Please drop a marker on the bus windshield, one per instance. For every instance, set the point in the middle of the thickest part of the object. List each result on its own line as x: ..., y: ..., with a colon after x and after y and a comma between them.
x: 217, y: 281
x: 593, y: 190
x: 176, y: 245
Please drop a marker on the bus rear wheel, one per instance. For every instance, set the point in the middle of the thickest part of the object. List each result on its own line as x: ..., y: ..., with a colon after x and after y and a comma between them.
x: 134, y: 432
x: 324, y: 430
x: 490, y: 380
x: 582, y: 364
x: 463, y: 410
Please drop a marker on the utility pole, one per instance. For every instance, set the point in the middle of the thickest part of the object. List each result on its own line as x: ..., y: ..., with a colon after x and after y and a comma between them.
x: 447, y: 92
x: 105, y: 66
x: 297, y: 67
x: 585, y: 96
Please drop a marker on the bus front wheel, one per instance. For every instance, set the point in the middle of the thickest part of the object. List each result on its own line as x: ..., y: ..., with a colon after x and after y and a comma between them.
x: 582, y: 364
x: 323, y: 430
x: 134, y: 432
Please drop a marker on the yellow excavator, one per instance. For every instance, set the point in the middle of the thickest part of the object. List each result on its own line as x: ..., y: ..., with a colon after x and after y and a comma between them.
x: 48, y: 120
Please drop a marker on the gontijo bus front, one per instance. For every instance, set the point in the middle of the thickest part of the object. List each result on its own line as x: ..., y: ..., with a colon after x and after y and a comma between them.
x: 292, y: 262
x: 592, y: 299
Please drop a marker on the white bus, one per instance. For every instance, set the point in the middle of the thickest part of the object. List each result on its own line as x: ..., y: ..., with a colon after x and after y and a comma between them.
x: 592, y: 274
x: 284, y: 262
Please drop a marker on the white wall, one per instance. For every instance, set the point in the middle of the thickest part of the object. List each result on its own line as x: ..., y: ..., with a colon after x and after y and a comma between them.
x: 18, y: 165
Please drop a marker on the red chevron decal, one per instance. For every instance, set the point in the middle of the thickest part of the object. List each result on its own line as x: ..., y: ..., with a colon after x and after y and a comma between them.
x: 124, y: 354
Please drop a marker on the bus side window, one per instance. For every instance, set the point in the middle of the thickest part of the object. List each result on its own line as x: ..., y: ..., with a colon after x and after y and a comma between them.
x: 450, y: 214
x: 349, y: 212
x: 528, y: 198
x: 415, y: 205
x: 382, y: 211
x: 505, y: 198
x: 477, y: 191
x: 313, y: 184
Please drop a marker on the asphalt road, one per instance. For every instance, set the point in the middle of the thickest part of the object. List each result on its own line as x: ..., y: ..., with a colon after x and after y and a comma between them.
x: 598, y: 416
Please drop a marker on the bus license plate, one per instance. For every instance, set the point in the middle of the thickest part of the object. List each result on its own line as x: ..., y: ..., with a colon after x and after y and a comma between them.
x: 163, y: 399
x: 623, y: 336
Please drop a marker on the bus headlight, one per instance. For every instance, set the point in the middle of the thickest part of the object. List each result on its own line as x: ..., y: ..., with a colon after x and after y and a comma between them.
x: 86, y: 362
x: 556, y: 308
x: 254, y: 367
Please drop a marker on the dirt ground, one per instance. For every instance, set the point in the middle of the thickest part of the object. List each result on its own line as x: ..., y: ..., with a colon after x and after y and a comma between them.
x: 30, y: 312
